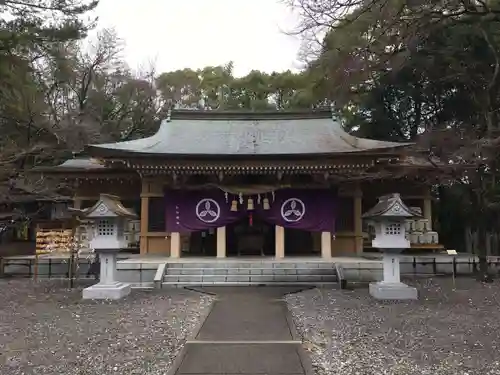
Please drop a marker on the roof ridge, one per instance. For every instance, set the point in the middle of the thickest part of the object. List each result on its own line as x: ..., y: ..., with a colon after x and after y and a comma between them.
x: 345, y: 136
x: 246, y: 115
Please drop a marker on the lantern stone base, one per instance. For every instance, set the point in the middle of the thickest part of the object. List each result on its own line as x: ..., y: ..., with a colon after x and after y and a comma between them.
x: 114, y: 290
x: 108, y: 287
x: 393, y: 291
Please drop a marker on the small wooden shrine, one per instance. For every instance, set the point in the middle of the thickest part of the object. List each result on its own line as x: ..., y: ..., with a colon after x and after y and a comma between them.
x: 217, y: 183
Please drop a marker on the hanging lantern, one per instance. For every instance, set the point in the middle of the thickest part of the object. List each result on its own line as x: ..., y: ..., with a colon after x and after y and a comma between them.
x: 234, y: 205
x: 265, y: 204
x: 241, y: 198
x: 250, y: 206
x: 250, y: 219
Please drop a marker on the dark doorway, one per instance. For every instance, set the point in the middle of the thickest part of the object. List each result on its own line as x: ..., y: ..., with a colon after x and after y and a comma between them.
x: 298, y: 242
x: 255, y: 238
x: 203, y: 243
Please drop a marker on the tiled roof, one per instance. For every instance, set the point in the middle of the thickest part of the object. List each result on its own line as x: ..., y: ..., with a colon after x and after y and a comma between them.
x: 81, y: 163
x: 213, y: 133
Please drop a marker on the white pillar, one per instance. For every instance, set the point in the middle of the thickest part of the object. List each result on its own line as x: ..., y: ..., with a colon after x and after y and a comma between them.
x: 175, y: 245
x: 108, y: 268
x: 326, y: 245
x: 279, y: 242
x: 221, y: 242
x: 391, y: 269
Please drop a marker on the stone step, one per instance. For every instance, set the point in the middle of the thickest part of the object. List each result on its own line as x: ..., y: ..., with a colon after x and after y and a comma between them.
x: 276, y: 265
x: 254, y: 283
x: 250, y: 271
x: 249, y: 278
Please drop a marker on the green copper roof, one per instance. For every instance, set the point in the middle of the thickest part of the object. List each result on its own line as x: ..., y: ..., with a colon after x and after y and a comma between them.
x: 212, y: 133
x: 81, y: 163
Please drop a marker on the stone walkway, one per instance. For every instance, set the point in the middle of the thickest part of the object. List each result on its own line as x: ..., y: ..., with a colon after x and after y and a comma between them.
x: 248, y: 331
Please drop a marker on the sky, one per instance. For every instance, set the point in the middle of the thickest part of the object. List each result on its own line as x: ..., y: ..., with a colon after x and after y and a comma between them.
x: 177, y: 34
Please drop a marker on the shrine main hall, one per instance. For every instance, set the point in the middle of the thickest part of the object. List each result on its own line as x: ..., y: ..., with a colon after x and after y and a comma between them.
x: 229, y: 184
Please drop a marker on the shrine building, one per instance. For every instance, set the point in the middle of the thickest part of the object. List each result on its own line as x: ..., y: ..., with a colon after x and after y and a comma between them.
x: 228, y: 184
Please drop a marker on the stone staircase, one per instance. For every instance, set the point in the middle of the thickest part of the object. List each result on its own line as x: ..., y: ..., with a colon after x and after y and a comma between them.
x: 249, y: 273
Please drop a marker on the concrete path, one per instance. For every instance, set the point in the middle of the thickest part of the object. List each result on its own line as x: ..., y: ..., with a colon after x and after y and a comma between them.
x: 248, y: 331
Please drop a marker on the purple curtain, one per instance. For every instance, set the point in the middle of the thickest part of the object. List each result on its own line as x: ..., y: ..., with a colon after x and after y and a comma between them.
x: 306, y: 209
x: 188, y: 211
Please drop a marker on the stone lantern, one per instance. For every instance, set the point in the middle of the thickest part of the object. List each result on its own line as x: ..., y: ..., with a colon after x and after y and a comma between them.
x: 109, y: 218
x: 388, y: 218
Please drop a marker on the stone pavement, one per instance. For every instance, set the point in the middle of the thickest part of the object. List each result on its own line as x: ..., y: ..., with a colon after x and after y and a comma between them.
x: 248, y: 331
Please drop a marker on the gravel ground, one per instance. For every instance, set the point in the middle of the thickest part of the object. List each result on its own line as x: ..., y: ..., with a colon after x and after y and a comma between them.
x: 447, y: 331
x: 47, y: 329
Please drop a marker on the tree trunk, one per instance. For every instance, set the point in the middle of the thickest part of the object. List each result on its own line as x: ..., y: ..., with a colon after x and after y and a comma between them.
x: 495, y: 244
x: 482, y: 274
x: 488, y: 244
x: 469, y: 240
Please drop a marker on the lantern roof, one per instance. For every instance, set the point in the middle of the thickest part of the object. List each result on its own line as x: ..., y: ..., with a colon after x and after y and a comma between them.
x: 390, y: 206
x: 107, y: 206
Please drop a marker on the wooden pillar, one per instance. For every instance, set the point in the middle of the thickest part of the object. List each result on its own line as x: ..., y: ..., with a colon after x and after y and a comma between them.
x: 358, y: 220
x: 175, y: 245
x: 221, y: 242
x: 427, y: 207
x: 144, y: 217
x: 326, y: 245
x: 77, y: 202
x: 279, y: 242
